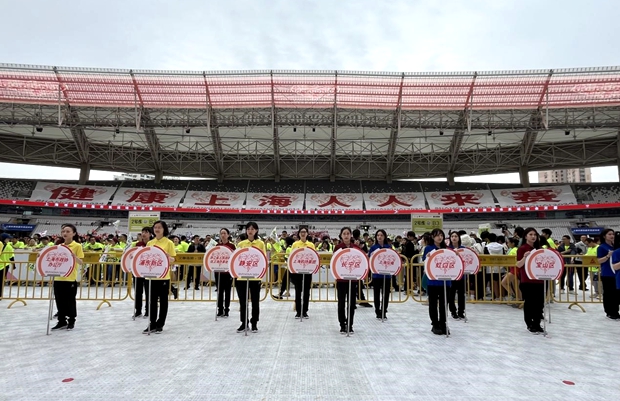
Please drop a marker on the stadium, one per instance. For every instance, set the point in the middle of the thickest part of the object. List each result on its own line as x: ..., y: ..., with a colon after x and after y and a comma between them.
x: 281, y: 169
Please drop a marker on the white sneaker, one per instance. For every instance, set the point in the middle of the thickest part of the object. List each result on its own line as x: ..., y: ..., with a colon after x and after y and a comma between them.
x: 562, y: 291
x: 286, y: 294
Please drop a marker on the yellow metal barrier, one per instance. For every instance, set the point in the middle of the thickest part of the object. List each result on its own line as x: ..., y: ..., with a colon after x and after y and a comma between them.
x: 98, y: 281
x: 573, y: 285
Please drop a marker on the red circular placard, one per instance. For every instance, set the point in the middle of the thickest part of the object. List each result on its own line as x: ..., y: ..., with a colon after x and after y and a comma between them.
x: 349, y: 264
x: 217, y: 259
x: 56, y: 261
x: 127, y: 259
x: 248, y: 263
x: 151, y: 262
x: 471, y: 260
x: 443, y: 264
x: 385, y: 261
x: 544, y: 264
x: 304, y: 260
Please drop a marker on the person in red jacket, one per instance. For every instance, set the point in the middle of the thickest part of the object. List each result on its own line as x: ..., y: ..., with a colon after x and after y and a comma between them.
x: 342, y: 286
x: 531, y: 290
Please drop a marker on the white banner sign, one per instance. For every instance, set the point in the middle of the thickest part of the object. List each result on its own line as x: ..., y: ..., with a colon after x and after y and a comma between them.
x: 69, y: 193
x: 213, y: 200
x: 539, y: 196
x: 147, y: 197
x: 274, y: 201
x: 460, y: 199
x: 334, y: 201
x: 408, y: 200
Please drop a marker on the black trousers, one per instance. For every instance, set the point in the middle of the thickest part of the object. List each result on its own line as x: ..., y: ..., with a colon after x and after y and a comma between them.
x: 480, y: 285
x: 300, y: 279
x: 457, y: 288
x: 193, y: 274
x: 2, y: 274
x: 64, y: 294
x: 437, y: 300
x: 342, y: 288
x: 582, y: 274
x: 381, y: 295
x: 242, y: 293
x: 160, y: 289
x: 223, y: 294
x: 360, y: 293
x: 610, y: 296
x: 141, y: 284
x: 533, y: 303
x: 285, y: 280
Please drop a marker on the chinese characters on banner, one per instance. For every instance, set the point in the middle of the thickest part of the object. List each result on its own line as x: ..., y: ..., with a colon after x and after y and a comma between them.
x: 408, y: 200
x: 334, y: 201
x: 274, y: 201
x: 460, y: 199
x: 539, y: 196
x: 69, y: 193
x: 147, y: 197
x: 213, y: 200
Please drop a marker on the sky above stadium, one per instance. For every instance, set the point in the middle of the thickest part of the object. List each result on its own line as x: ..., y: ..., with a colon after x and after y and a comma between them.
x: 411, y: 36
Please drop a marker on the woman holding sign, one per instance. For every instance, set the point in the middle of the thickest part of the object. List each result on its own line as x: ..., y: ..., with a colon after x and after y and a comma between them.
x: 302, y: 279
x: 533, y: 291
x: 160, y: 288
x: 458, y: 287
x: 380, y: 283
x: 252, y: 285
x: 65, y: 288
x: 342, y: 286
x: 224, y: 279
x: 435, y: 287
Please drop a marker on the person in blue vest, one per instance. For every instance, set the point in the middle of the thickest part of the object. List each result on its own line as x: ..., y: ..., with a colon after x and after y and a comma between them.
x: 435, y: 287
x: 380, y: 282
x: 603, y: 253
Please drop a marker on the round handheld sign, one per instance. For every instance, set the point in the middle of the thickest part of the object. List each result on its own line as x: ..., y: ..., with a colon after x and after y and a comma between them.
x: 386, y: 261
x: 216, y: 260
x: 304, y: 260
x: 349, y: 264
x: 127, y: 259
x: 248, y: 263
x: 443, y: 264
x: 544, y: 264
x: 56, y: 261
x: 151, y: 262
x: 471, y: 260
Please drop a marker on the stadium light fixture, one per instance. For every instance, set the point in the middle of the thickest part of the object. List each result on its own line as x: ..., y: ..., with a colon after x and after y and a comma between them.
x: 294, y: 129
x: 187, y: 130
x: 39, y: 128
x: 117, y: 131
x: 567, y: 132
x: 313, y: 129
x: 440, y: 132
x: 490, y: 132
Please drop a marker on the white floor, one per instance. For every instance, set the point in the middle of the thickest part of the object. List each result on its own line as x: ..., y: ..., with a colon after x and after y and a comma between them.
x: 198, y: 358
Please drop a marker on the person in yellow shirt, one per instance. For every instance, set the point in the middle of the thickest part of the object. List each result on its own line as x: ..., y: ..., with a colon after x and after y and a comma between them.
x: 3, y: 265
x: 160, y: 288
x: 594, y: 275
x: 65, y: 288
x: 7, y: 254
x: 302, y: 280
x: 243, y: 285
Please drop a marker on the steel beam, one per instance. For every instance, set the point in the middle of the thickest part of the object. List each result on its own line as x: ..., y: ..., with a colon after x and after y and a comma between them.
x: 334, y: 133
x: 395, y: 131
x: 463, y: 125
x: 212, y: 128
x: 274, y: 130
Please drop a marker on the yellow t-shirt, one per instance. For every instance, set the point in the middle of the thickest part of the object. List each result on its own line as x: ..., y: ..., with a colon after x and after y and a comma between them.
x: 79, y: 253
x: 301, y: 244
x: 1, y: 249
x: 257, y: 243
x: 167, y: 246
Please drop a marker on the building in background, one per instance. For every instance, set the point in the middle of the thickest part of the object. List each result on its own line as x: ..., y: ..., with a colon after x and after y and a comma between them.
x: 565, y: 176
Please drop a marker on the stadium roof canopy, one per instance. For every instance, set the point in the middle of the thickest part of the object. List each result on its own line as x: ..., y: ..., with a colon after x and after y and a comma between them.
x: 309, y: 124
